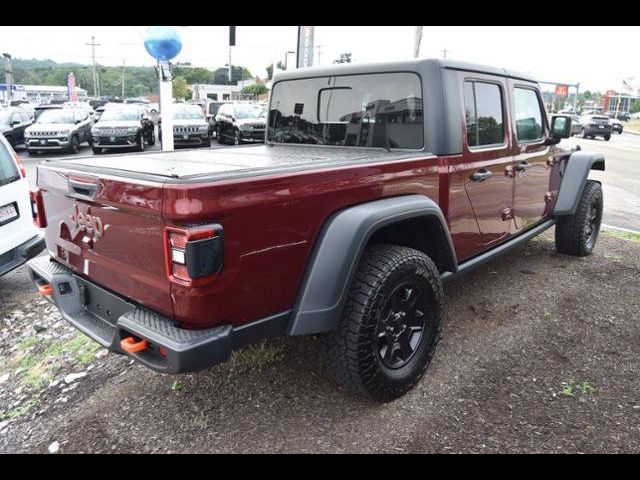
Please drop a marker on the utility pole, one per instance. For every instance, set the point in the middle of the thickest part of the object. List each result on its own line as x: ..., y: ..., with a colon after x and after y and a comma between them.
x: 8, y: 74
x: 444, y: 53
x: 93, y: 45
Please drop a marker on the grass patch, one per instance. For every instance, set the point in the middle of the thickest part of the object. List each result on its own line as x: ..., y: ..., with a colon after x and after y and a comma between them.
x: 36, y: 367
x: 20, y: 410
x: 574, y: 389
x: 632, y: 125
x: 634, y: 237
x: 257, y: 357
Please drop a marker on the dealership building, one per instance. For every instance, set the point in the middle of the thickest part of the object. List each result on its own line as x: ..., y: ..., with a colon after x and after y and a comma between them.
x: 39, y: 93
x: 618, y: 102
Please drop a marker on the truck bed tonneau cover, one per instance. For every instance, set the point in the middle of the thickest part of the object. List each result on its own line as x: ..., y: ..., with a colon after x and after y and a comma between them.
x: 220, y: 164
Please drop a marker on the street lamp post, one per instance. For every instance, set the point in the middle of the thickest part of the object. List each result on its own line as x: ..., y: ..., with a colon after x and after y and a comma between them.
x: 164, y: 44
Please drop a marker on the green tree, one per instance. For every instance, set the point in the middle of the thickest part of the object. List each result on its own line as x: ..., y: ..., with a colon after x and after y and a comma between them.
x: 255, y: 89
x: 269, y: 69
x: 221, y: 75
x: 635, y: 106
x: 180, y: 90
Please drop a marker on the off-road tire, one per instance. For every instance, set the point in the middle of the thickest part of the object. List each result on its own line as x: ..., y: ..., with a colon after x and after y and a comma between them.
x: 219, y: 136
x: 573, y: 231
x: 351, y: 352
x: 236, y: 138
x: 151, y: 141
x: 140, y: 143
x: 96, y: 151
x: 607, y: 137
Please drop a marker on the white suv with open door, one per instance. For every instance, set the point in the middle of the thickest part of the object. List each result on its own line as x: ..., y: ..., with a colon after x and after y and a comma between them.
x: 20, y: 239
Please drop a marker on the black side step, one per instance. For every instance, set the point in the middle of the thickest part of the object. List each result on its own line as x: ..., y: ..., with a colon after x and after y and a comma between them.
x: 497, y: 251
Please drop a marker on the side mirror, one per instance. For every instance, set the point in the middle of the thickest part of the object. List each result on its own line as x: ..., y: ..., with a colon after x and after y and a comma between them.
x: 15, y: 123
x: 560, y: 127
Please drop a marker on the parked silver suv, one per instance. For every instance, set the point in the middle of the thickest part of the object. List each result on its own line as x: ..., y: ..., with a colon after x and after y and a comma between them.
x: 59, y: 129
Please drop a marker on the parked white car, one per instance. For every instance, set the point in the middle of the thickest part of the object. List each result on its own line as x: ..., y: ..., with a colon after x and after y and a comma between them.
x: 20, y: 239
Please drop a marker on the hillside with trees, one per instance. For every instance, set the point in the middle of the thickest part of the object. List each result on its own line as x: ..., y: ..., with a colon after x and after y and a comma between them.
x: 138, y: 81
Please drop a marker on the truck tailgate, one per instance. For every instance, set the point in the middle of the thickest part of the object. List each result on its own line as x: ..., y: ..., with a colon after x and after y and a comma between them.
x: 109, y: 230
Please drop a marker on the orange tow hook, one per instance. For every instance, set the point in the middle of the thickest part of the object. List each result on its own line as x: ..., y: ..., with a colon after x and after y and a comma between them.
x: 46, y: 290
x: 131, y: 345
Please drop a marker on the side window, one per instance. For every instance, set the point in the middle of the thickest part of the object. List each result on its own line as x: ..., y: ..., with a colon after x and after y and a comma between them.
x: 528, y: 115
x: 484, y: 114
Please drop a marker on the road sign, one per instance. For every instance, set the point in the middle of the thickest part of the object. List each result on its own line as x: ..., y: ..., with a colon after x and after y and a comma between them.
x: 562, y: 91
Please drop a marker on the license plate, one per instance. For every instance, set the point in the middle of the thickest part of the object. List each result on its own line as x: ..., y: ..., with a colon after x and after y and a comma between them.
x: 185, y: 137
x: 601, y: 126
x: 8, y: 213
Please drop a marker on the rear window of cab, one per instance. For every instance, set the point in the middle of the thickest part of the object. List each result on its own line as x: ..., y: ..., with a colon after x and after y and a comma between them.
x: 380, y: 110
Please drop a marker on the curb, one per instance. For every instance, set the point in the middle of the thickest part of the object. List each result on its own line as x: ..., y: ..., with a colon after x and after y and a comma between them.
x: 632, y: 132
x: 619, y: 229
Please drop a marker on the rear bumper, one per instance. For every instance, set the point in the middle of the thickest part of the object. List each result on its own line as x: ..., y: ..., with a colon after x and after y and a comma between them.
x: 597, y: 131
x: 16, y: 257
x: 108, y: 318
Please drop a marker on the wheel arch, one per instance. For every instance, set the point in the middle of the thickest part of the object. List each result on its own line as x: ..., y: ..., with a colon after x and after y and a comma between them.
x: 574, y: 177
x: 342, y: 241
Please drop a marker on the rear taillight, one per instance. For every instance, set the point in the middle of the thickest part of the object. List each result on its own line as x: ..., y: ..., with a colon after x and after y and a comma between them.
x: 193, y: 256
x: 37, y: 208
x: 23, y: 171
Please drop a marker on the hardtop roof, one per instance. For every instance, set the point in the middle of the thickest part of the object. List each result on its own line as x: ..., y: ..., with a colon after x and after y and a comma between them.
x: 411, y: 65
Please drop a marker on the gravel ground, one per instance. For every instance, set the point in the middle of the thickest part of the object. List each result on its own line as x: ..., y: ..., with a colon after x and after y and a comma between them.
x: 540, y: 354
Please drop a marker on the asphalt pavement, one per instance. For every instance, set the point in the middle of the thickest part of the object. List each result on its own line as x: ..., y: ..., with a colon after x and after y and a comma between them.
x: 620, y: 180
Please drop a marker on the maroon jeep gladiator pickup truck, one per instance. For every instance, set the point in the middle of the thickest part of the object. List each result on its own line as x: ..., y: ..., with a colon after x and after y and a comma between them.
x: 377, y: 183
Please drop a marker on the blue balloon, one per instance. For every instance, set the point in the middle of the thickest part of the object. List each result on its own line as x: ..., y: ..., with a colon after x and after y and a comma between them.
x: 163, y: 43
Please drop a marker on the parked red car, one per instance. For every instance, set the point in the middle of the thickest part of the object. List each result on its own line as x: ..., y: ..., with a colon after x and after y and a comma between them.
x: 377, y: 183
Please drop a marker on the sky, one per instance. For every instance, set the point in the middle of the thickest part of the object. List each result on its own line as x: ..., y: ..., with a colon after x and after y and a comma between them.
x: 555, y: 54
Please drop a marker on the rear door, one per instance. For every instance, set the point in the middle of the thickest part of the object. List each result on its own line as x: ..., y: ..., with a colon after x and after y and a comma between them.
x: 533, y: 159
x: 487, y: 156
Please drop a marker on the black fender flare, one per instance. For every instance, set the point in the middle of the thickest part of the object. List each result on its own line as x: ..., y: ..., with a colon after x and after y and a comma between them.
x: 574, y: 178
x: 338, y: 251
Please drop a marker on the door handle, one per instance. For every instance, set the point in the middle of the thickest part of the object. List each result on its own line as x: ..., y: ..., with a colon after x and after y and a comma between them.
x: 523, y: 166
x: 481, y: 175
